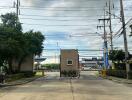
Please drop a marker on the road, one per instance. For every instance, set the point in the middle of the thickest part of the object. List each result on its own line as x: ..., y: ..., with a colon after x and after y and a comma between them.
x: 87, y: 87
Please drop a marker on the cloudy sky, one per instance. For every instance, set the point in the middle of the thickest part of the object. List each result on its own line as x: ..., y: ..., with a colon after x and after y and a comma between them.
x: 70, y: 24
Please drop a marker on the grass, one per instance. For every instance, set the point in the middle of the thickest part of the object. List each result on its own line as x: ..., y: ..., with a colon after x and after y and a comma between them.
x: 38, y: 74
x: 14, y: 77
x: 97, y: 74
x: 19, y: 76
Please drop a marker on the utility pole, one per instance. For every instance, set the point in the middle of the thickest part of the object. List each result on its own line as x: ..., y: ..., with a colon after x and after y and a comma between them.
x: 111, y: 37
x: 125, y: 38
x: 105, y: 40
x: 17, y: 7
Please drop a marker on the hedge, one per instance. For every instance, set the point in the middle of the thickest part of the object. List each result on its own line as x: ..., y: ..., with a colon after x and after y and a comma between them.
x: 28, y: 73
x: 51, y: 66
x: 117, y: 73
x: 13, y: 77
x: 72, y: 73
x: 130, y: 74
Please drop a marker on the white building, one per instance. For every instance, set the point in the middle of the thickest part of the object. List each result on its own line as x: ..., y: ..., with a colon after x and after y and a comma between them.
x: 93, y: 63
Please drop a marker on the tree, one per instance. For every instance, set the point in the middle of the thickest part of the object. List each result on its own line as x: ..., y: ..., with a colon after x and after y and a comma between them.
x: 14, y: 44
x: 117, y: 55
x: 33, y: 45
x: 34, y: 42
x: 10, y: 46
x: 11, y: 20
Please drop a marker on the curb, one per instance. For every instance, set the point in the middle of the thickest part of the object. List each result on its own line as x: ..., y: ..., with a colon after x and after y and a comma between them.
x: 117, y: 80
x: 19, y: 83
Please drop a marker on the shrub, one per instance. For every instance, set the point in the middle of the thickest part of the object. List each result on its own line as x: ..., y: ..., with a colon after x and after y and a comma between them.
x: 71, y: 73
x: 14, y: 77
x: 21, y: 75
x: 64, y: 73
x: 117, y: 73
x: 130, y: 66
x: 28, y: 73
x: 51, y: 66
x: 130, y: 74
x: 120, y: 66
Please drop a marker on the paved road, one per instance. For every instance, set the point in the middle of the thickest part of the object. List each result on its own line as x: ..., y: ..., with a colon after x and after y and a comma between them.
x: 88, y: 87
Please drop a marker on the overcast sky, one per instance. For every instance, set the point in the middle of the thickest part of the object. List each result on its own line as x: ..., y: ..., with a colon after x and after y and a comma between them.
x: 70, y: 24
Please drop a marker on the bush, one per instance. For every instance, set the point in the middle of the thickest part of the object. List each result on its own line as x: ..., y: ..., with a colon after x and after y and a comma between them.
x: 130, y: 74
x: 120, y: 66
x: 117, y: 73
x: 130, y: 66
x: 64, y: 73
x: 51, y: 66
x: 21, y: 75
x: 14, y: 77
x: 28, y: 73
x: 71, y: 73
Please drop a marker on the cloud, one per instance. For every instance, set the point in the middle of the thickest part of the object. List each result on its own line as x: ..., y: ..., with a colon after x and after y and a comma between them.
x: 51, y: 11
x: 50, y: 60
x: 84, y: 20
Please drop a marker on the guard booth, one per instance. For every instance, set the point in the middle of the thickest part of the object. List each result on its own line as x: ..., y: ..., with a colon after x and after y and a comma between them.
x: 69, y: 63
x: 38, y: 67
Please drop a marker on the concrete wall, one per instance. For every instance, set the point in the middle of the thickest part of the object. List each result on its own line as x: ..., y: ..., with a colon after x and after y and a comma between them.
x: 70, y: 54
x: 27, y: 64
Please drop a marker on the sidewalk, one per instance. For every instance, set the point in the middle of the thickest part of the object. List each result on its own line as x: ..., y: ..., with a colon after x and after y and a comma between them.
x: 20, y: 81
x: 119, y: 80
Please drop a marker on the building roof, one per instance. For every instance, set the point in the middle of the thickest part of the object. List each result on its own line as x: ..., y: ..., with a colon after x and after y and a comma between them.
x: 39, y: 59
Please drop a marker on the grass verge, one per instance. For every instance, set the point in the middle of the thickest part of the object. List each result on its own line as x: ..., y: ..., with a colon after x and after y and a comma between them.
x: 22, y: 76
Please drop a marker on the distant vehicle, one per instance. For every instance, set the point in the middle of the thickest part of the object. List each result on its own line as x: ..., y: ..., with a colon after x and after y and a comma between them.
x: 86, y: 68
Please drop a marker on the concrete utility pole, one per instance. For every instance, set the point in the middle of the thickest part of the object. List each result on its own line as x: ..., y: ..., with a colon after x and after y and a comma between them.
x: 17, y: 7
x: 125, y: 38
x: 111, y: 37
x: 105, y: 40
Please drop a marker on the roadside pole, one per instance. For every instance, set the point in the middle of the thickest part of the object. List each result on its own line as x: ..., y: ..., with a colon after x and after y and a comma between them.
x: 125, y: 38
x: 111, y: 37
x: 105, y: 40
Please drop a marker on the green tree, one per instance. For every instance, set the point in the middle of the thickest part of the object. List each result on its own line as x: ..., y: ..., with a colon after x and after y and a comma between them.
x: 10, y: 46
x: 11, y: 20
x: 34, y: 42
x: 117, y: 55
x: 14, y: 44
x: 33, y: 45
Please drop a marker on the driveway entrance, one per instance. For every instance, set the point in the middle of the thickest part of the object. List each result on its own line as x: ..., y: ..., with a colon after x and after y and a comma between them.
x: 87, y: 87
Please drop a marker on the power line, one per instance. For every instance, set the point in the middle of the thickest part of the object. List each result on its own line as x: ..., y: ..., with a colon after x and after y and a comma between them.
x: 58, y: 15
x: 49, y: 19
x: 63, y: 25
x: 78, y: 49
x: 69, y: 9
x: 120, y: 30
x: 56, y: 25
x: 65, y: 16
x: 58, y: 7
x: 58, y: 19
